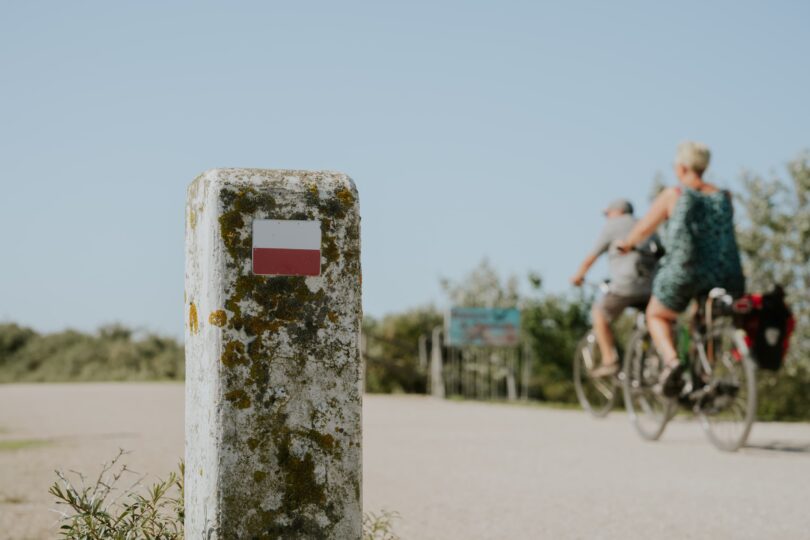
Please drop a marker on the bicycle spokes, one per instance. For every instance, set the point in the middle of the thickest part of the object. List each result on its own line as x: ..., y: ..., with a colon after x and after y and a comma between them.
x: 648, y: 411
x: 726, y: 404
x: 595, y: 394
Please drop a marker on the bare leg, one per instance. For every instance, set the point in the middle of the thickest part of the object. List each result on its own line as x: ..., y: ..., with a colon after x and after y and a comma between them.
x: 604, y: 337
x: 660, y: 320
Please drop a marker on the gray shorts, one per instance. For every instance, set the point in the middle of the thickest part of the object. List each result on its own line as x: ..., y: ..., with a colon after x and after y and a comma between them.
x: 612, y: 305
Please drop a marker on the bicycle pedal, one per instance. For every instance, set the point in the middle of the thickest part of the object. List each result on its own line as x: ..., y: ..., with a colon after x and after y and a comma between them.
x: 687, y: 400
x: 702, y: 397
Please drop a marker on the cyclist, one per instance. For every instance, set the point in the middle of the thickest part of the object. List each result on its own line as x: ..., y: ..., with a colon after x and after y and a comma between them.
x: 701, y: 252
x: 630, y: 280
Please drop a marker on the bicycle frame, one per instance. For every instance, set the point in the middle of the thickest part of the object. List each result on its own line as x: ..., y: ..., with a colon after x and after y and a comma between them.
x: 701, y: 330
x: 720, y: 378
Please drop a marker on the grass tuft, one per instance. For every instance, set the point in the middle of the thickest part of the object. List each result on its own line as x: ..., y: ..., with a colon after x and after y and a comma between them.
x: 11, y: 445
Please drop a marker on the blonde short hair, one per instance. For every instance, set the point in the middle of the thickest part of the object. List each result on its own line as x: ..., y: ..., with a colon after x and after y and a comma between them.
x: 694, y: 155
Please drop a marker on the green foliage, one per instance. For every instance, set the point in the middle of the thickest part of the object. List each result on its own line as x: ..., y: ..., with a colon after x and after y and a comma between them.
x: 12, y: 339
x: 784, y: 396
x: 113, y: 354
x: 553, y: 324
x: 101, y: 510
x: 392, y: 350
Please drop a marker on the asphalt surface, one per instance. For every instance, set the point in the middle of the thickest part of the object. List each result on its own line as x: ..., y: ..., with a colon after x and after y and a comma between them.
x: 485, y: 471
x: 451, y: 470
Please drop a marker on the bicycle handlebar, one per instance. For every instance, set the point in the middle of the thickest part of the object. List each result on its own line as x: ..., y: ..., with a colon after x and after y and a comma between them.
x: 603, y: 285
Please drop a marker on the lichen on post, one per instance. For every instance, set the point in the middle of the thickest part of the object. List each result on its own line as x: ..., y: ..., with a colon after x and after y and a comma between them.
x: 273, y: 403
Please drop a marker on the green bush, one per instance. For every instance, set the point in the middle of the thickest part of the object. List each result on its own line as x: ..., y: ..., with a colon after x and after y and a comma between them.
x: 784, y: 395
x: 113, y: 354
x: 392, y: 350
x: 553, y: 325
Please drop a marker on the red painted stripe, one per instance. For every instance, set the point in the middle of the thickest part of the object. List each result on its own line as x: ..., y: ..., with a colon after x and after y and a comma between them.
x: 287, y: 262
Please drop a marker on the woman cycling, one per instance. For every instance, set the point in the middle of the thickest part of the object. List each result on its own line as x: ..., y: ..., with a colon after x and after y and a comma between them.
x: 701, y: 252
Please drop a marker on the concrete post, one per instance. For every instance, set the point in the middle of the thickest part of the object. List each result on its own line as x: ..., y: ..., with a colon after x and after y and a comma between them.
x: 273, y: 406
x: 526, y: 371
x: 436, y: 378
x: 423, y: 353
x: 511, y: 384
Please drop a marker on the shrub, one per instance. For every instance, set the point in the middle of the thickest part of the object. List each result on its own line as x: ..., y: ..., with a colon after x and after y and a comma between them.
x: 784, y: 395
x: 392, y: 350
x: 113, y: 354
x: 102, y: 511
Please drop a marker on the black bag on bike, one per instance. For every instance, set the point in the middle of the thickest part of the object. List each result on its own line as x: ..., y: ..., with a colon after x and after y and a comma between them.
x: 649, y: 255
x: 768, y: 324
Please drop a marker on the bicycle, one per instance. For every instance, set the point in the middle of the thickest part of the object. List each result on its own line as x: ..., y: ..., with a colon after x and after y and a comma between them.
x: 719, y: 382
x: 597, y: 395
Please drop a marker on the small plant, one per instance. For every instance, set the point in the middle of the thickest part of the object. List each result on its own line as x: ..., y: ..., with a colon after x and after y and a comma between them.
x: 379, y: 526
x: 101, y: 510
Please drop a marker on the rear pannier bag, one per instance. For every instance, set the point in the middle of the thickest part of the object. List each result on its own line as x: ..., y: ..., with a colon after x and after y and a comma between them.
x: 768, y: 324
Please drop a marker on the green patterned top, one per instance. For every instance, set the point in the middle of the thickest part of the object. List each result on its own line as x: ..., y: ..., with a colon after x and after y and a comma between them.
x: 701, y: 250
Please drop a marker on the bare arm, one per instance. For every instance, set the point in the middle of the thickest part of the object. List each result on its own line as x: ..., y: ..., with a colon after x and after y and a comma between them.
x: 579, y: 277
x: 659, y: 211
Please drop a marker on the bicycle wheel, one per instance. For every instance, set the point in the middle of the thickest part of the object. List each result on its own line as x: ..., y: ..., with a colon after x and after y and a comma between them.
x: 596, y: 395
x: 727, y: 404
x: 649, y: 411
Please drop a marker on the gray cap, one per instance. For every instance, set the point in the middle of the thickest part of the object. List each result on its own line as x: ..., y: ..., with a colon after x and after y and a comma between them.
x: 622, y: 205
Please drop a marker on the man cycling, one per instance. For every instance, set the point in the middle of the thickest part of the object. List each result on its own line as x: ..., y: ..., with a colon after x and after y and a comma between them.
x: 630, y: 280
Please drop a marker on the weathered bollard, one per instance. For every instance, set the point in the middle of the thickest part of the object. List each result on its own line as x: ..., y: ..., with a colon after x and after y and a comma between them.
x: 436, y: 376
x: 273, y: 406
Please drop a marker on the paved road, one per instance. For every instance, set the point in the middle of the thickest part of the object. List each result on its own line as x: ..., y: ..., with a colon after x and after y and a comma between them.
x: 452, y: 470
x: 479, y: 471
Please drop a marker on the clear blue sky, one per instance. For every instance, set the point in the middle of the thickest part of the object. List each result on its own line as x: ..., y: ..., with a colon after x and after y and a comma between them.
x: 472, y: 129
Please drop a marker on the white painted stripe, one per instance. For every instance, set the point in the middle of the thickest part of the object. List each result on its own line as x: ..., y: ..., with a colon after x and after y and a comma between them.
x: 286, y: 234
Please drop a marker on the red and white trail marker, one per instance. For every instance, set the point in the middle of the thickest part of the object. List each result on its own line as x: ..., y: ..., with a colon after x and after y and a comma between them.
x: 286, y: 247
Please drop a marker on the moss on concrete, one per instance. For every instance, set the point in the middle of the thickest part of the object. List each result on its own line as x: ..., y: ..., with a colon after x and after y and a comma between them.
x: 218, y: 318
x: 238, y: 398
x: 193, y: 320
x: 261, y: 317
x: 233, y: 354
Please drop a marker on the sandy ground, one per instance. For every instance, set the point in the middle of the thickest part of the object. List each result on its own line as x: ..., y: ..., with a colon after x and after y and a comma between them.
x: 451, y: 470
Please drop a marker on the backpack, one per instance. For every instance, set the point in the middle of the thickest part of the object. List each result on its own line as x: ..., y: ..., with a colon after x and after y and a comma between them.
x: 768, y: 324
x: 650, y: 252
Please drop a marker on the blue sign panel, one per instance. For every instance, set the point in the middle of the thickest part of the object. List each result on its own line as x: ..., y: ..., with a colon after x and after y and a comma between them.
x: 491, y: 327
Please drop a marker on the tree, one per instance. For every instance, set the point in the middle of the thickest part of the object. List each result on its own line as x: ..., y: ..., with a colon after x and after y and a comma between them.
x: 553, y: 324
x: 482, y: 287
